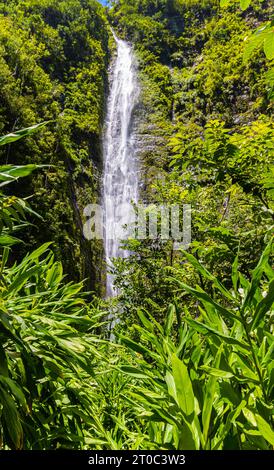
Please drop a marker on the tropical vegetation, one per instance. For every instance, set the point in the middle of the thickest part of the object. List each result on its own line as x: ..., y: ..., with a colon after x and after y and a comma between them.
x: 189, y: 366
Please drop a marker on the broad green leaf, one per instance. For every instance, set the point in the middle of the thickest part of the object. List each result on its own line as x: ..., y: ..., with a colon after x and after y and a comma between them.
x: 134, y: 372
x: 245, y: 4
x: 265, y: 429
x: 21, y: 279
x: 235, y: 274
x: 254, y: 43
x: 269, y: 353
x: 7, y: 139
x: 228, y: 393
x: 15, y: 390
x: 230, y: 420
x: 171, y: 314
x: 209, y: 396
x: 269, y: 182
x: 164, y: 416
x: 187, y: 441
x: 4, y: 371
x: 55, y: 274
x: 8, y: 240
x: 249, y: 415
x: 244, y: 364
x: 153, y: 320
x: 5, y: 257
x: 264, y: 306
x: 12, y: 419
x: 184, y: 391
x: 147, y: 324
x: 257, y: 274
x: 222, y: 374
x: 170, y: 381
x: 137, y: 347
x: 10, y: 173
x: 269, y: 45
x: 34, y: 256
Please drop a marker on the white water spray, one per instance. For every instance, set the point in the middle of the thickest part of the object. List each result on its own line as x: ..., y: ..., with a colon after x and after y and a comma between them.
x: 120, y: 186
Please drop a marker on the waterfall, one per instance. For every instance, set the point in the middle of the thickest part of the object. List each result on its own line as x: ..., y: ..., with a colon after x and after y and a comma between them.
x: 120, y: 185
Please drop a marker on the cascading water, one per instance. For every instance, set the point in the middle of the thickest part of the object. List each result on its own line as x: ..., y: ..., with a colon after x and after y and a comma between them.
x: 120, y: 186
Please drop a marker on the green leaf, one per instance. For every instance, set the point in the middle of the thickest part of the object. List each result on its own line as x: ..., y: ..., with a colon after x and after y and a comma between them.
x: 264, y: 306
x: 231, y: 418
x: 55, y: 274
x: 184, y: 391
x: 227, y: 392
x: 245, y: 4
x: 265, y: 429
x: 207, y: 330
x: 180, y: 389
x: 15, y: 390
x: 269, y: 76
x: 235, y: 274
x: 244, y: 364
x: 7, y: 139
x: 3, y: 362
x: 22, y: 279
x: 171, y: 314
x: 11, y: 419
x: 253, y: 43
x: 36, y: 254
x: 147, y: 324
x: 209, y: 396
x: 222, y: 374
x: 201, y: 295
x: 269, y: 45
x: 134, y: 372
x: 187, y: 441
x: 136, y: 346
x: 10, y: 173
x: 8, y: 240
x: 257, y: 274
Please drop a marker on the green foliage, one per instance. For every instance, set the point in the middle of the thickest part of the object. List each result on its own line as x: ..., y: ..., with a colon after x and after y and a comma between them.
x: 262, y: 38
x: 13, y: 137
x: 244, y: 4
x: 53, y: 66
x: 242, y: 158
x: 206, y: 138
x: 199, y: 324
x: 192, y: 364
x: 14, y: 209
x: 48, y: 345
x: 207, y: 382
x: 45, y: 330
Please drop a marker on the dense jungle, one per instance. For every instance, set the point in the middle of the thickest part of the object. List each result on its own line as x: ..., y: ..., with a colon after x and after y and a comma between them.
x: 181, y: 358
